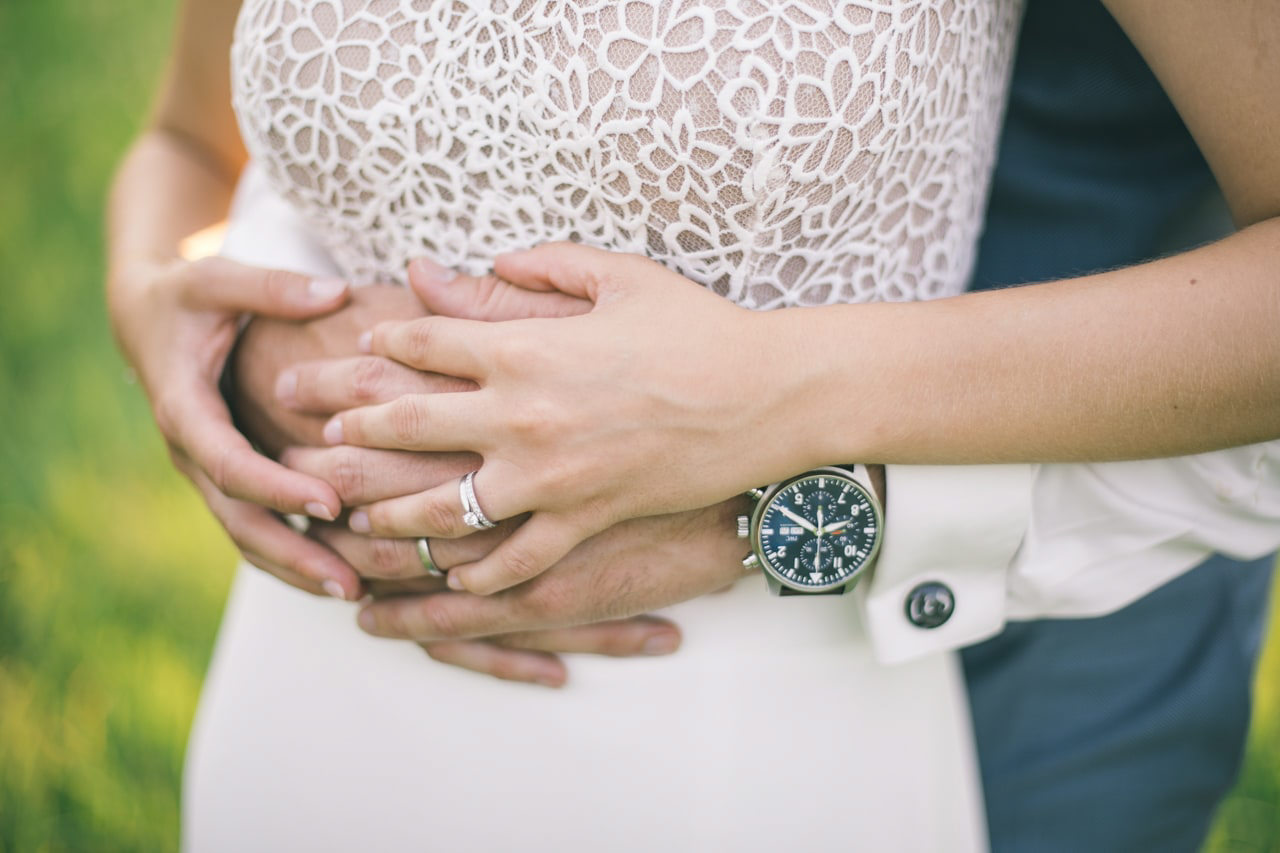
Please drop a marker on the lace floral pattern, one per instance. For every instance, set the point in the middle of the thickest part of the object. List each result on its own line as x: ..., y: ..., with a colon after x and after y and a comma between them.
x: 782, y: 152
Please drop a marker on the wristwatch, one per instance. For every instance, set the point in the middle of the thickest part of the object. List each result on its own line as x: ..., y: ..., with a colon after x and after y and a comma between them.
x: 816, y: 533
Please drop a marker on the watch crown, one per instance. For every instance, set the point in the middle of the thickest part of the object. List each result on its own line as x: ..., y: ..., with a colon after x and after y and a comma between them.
x: 744, y: 526
x: 750, y: 562
x: 755, y: 494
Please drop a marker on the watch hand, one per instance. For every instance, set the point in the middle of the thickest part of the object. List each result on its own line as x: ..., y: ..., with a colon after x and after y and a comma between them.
x: 820, y: 527
x: 798, y: 520
x: 817, y: 555
x: 831, y: 528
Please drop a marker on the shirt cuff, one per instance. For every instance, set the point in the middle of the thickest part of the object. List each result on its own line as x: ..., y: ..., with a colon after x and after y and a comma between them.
x: 950, y: 534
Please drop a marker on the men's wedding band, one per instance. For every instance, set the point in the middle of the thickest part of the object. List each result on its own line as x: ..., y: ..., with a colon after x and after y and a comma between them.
x: 472, y: 515
x: 428, y: 564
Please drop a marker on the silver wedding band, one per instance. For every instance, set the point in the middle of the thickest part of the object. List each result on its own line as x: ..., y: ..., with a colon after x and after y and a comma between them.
x: 428, y: 564
x: 472, y: 515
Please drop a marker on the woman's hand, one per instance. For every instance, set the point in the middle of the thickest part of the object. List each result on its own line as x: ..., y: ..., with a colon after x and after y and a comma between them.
x: 176, y: 323
x: 648, y: 404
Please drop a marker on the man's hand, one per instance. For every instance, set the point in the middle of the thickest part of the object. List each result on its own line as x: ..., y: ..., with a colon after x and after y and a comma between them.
x: 628, y: 569
x: 289, y: 377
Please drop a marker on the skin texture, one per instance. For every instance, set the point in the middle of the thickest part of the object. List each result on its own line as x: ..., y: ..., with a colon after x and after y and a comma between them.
x: 1165, y: 358
x: 1171, y: 357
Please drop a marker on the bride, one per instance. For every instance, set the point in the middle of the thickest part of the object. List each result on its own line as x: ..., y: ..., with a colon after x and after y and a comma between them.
x: 798, y: 154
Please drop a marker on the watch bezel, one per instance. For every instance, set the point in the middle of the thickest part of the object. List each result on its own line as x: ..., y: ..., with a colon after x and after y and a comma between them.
x: 773, y: 491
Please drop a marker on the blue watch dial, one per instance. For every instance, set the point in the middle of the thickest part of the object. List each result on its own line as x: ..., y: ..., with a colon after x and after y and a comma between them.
x: 817, y: 531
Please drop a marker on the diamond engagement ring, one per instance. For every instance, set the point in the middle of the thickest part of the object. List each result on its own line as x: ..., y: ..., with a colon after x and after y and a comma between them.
x: 472, y: 515
x: 428, y: 564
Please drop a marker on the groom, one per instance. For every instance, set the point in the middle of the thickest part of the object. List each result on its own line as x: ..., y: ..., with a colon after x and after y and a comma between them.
x: 1081, y: 747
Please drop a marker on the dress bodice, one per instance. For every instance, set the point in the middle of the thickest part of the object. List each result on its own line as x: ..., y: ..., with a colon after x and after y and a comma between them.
x: 782, y: 152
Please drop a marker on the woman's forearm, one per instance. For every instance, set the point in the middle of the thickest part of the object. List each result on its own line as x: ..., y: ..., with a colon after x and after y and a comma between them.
x: 1171, y: 357
x: 164, y: 191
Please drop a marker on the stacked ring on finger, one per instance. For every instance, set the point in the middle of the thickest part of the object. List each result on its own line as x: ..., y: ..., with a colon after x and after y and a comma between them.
x: 472, y: 515
x: 424, y: 556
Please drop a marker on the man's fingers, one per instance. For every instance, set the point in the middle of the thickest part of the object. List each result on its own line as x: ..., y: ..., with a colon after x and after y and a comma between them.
x: 506, y: 664
x: 198, y: 422
x: 220, y: 284
x: 397, y: 559
x: 362, y: 475
x: 329, y: 386
x: 486, y: 297
x: 641, y: 635
x: 437, y: 344
x: 456, y: 421
x: 572, y: 269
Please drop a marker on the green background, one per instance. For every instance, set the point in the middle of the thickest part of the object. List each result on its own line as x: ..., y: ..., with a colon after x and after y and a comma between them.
x: 111, y: 574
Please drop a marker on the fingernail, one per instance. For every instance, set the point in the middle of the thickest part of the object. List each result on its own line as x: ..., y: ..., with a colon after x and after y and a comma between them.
x: 360, y: 522
x: 548, y: 680
x: 324, y: 289
x: 663, y: 644
x: 366, y: 620
x: 335, y: 590
x: 455, y: 582
x: 365, y: 344
x: 333, y: 431
x: 434, y: 271
x: 315, y: 509
x: 287, y: 387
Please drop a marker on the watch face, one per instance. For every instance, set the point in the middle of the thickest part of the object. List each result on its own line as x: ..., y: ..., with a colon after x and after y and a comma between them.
x: 817, y: 531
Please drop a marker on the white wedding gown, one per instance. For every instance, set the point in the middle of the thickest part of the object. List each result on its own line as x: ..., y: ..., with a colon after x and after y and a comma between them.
x: 782, y: 152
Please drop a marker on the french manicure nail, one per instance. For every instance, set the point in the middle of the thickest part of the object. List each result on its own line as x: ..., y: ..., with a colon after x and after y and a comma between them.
x: 360, y: 522
x: 315, y: 509
x: 455, y: 582
x: 333, y: 431
x: 324, y: 289
x: 334, y: 589
x: 434, y: 271
x: 365, y: 344
x: 287, y: 387
x: 663, y: 644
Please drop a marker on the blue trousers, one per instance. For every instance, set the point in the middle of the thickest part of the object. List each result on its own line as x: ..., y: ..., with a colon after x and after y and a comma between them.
x: 1122, y: 732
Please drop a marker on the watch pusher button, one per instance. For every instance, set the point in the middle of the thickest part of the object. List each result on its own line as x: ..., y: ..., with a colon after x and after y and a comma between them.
x: 755, y: 494
x: 744, y: 526
x: 750, y: 562
x: 930, y: 605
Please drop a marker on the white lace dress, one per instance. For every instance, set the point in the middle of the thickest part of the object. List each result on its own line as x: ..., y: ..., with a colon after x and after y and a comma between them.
x: 781, y: 152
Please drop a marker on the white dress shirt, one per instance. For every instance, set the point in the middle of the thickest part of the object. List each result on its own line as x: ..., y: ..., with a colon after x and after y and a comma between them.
x: 1072, y: 540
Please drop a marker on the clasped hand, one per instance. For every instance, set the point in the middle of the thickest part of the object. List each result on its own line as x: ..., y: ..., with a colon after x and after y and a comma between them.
x: 643, y: 405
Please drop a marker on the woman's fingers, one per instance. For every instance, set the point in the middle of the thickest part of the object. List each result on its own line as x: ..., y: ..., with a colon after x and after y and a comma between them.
x: 333, y: 385
x: 536, y: 546
x: 269, y: 542
x: 437, y: 344
x: 499, y: 490
x: 363, y: 475
x: 219, y: 284
x: 195, y: 418
x: 506, y: 664
x: 486, y: 297
x: 416, y: 422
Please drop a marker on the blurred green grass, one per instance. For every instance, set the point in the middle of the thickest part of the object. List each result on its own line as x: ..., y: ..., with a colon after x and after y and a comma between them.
x: 111, y: 575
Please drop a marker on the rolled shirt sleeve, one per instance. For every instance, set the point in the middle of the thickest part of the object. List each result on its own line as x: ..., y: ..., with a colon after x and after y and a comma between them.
x: 1073, y: 540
